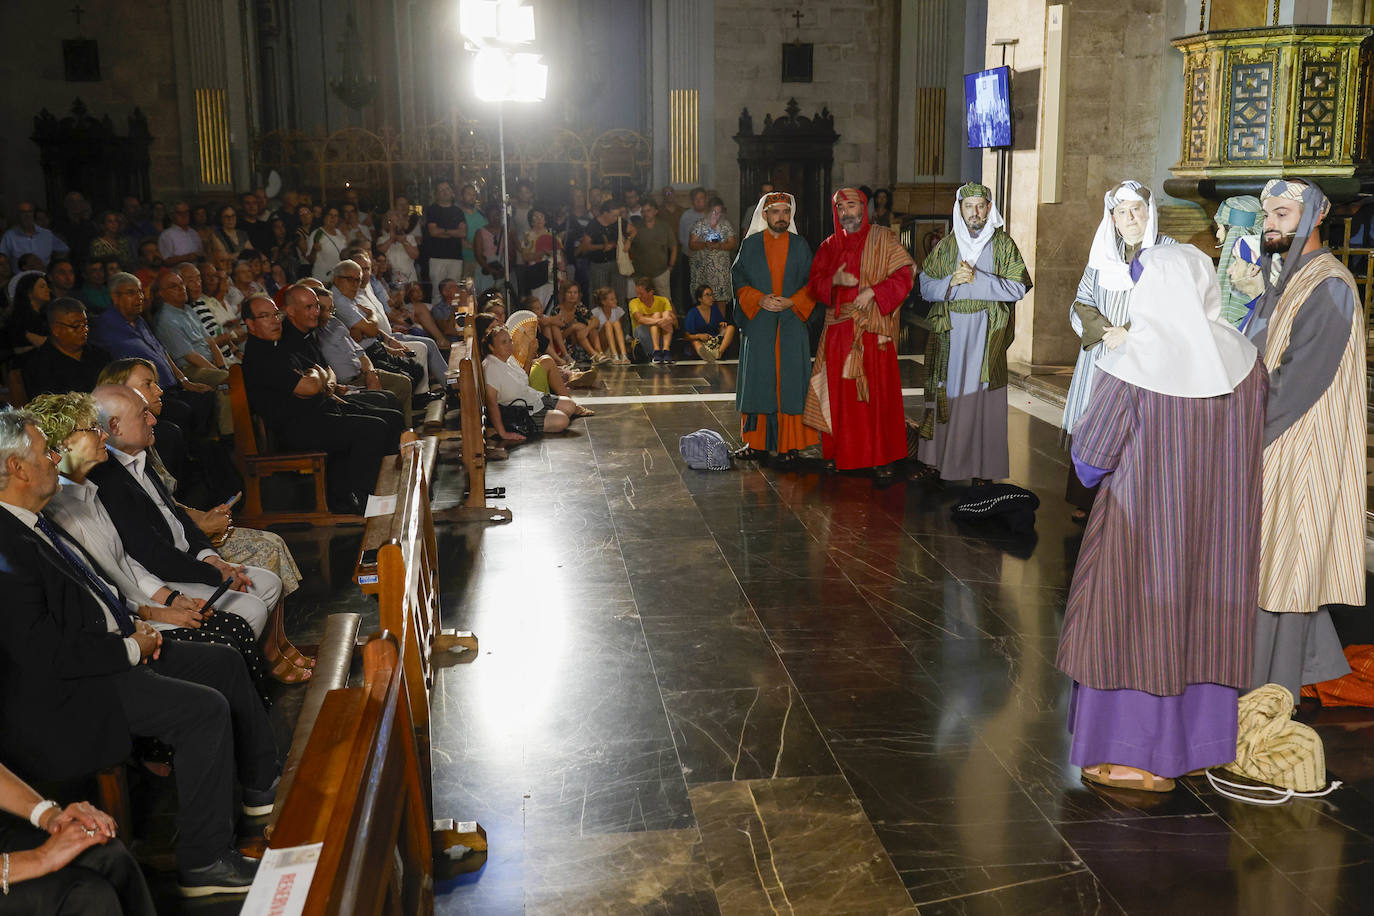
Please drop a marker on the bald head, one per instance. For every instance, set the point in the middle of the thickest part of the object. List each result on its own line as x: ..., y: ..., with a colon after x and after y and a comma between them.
x: 126, y: 417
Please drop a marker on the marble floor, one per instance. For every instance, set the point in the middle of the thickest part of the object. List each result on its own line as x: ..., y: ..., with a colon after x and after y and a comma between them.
x: 752, y: 692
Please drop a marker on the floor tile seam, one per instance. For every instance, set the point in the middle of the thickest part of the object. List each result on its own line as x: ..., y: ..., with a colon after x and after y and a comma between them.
x: 1028, y: 881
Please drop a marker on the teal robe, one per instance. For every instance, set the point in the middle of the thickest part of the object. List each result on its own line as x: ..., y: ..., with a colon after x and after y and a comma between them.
x: 767, y: 334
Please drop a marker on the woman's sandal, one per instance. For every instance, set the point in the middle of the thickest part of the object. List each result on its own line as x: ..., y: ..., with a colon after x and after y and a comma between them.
x: 1148, y: 782
x: 583, y: 412
x: 283, y: 672
x: 296, y: 657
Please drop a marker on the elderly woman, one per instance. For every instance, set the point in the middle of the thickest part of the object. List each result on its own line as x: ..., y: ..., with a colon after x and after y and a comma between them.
x: 1101, y: 310
x: 508, y: 385
x: 72, y: 424
x: 228, y: 237
x: 712, y: 242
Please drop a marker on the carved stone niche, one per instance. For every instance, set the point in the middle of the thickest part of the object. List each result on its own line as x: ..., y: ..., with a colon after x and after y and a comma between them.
x: 1261, y: 103
x: 794, y: 154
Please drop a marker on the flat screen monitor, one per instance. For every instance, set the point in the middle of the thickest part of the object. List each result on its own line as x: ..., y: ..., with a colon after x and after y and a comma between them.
x: 987, y: 102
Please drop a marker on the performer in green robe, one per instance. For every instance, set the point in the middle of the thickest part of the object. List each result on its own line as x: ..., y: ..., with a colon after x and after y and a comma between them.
x: 973, y: 280
x: 773, y: 303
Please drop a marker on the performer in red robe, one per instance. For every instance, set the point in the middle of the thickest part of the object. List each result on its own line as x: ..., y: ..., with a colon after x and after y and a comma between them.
x: 861, y: 274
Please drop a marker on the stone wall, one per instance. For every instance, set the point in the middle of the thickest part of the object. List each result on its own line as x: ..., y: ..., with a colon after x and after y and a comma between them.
x: 1113, y: 129
x: 136, y: 67
x: 854, y: 40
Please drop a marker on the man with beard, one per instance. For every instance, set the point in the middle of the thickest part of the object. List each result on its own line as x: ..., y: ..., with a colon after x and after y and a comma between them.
x: 770, y: 277
x: 1311, y: 333
x: 973, y: 280
x: 862, y: 273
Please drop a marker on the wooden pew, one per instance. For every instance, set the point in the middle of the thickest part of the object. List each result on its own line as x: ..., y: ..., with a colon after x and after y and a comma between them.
x: 382, y: 529
x: 472, y: 389
x: 359, y: 794
x: 256, y: 463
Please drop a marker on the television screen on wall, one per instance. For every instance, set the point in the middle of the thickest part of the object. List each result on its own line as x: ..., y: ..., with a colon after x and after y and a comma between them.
x: 987, y: 103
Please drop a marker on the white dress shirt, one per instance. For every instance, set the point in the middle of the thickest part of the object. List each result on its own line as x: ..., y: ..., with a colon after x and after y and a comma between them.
x: 134, y: 465
x: 30, y: 521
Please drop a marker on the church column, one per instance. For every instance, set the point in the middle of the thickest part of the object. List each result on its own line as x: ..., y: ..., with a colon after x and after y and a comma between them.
x: 213, y: 86
x: 684, y: 102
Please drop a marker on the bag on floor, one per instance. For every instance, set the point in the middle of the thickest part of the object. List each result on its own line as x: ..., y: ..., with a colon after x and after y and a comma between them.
x: 705, y: 450
x: 999, y: 504
x: 516, y: 418
x: 1276, y: 758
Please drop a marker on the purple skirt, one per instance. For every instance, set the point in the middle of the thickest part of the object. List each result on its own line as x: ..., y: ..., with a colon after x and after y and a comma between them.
x: 1167, y: 736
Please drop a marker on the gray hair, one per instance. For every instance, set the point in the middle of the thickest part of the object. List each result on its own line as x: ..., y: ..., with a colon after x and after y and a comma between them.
x: 121, y: 280
x: 14, y: 438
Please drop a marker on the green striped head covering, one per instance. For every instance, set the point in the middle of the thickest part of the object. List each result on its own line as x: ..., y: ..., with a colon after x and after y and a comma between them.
x: 974, y: 189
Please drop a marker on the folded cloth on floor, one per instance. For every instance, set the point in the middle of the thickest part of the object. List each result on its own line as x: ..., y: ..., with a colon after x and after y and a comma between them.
x: 1276, y: 758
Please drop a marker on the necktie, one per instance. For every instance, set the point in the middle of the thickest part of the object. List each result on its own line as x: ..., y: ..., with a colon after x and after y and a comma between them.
x: 167, y: 500
x: 102, y: 591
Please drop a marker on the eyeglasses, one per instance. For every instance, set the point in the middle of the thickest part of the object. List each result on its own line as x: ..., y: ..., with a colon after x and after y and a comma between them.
x: 89, y: 429
x: 78, y: 326
x: 269, y: 316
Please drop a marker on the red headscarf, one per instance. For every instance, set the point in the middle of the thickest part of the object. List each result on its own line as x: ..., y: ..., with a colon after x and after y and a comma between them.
x: 843, y: 195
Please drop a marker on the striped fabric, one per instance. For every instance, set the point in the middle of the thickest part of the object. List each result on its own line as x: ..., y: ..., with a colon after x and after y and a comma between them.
x: 1274, y: 749
x: 1115, y: 306
x: 1164, y: 591
x: 1314, y: 474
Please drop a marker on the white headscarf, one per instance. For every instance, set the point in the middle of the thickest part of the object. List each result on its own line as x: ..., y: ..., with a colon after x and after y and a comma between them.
x: 1178, y: 344
x: 759, y: 223
x: 970, y: 245
x: 1105, y: 256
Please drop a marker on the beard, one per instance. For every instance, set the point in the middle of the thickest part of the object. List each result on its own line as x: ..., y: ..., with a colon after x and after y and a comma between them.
x: 1279, y: 245
x: 851, y: 223
x: 779, y: 225
x: 975, y: 225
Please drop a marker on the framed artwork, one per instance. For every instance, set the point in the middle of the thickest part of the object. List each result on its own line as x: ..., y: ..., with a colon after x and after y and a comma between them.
x: 925, y: 233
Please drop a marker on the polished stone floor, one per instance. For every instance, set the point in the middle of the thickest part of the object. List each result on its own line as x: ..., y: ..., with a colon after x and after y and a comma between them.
x: 751, y: 692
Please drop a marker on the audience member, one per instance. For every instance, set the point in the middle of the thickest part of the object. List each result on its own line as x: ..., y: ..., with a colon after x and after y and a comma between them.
x: 179, y: 242
x: 74, y: 655
x: 74, y: 224
x: 490, y: 247
x: 30, y: 238
x: 713, y: 243
x: 354, y: 230
x: 112, y: 241
x: 92, y: 291
x: 256, y: 222
x: 509, y: 385
x: 293, y: 396
x: 197, y: 303
x: 607, y: 314
x: 597, y: 245
x: 706, y: 326
x: 141, y: 375
x: 569, y: 325
x: 324, y: 247
x: 653, y: 319
x: 227, y: 236
x: 27, y: 326
x: 182, y: 335
x: 653, y: 247
x: 539, y: 259
x: 366, y: 328
x: 685, y: 223
x: 69, y: 863
x: 149, y: 263
x: 61, y: 277
x: 350, y: 364
x: 137, y: 225
x: 399, y: 242
x: 66, y: 361
x: 473, y: 220
x: 430, y: 352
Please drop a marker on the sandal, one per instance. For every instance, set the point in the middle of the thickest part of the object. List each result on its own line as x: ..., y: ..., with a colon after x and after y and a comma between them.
x: 583, y: 412
x: 746, y: 453
x: 283, y: 672
x: 1148, y: 782
x: 1079, y: 517
x: 296, y: 657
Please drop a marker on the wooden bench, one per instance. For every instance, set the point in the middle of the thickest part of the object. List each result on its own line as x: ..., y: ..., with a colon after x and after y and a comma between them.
x: 472, y: 389
x: 255, y: 462
x: 359, y: 793
x: 381, y: 529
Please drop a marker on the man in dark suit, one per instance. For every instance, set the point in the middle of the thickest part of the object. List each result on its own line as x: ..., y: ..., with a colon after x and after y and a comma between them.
x: 296, y: 399
x: 80, y: 675
x: 156, y: 531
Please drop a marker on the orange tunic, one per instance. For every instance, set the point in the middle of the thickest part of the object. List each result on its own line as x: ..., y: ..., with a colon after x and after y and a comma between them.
x: 792, y: 433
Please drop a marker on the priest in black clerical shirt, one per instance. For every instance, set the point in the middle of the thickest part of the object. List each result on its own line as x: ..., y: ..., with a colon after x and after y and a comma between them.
x: 66, y: 362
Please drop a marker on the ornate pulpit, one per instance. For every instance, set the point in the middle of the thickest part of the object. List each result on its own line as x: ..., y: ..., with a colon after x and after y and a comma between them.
x: 794, y: 154
x: 1261, y: 103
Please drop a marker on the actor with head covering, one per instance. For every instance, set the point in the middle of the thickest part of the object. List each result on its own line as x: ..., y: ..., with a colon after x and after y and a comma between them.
x: 861, y: 274
x: 973, y: 280
x: 1310, y: 329
x: 1243, y: 276
x: 773, y: 303
x: 1159, y: 627
x: 1236, y: 217
x: 1100, y: 313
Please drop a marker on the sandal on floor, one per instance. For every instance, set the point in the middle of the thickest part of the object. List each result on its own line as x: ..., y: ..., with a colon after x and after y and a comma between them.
x: 583, y: 412
x: 745, y: 453
x: 1079, y: 517
x: 1148, y: 782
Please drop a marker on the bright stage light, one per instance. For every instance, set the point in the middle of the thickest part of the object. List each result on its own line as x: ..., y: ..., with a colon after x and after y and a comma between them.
x: 505, y: 21
x: 499, y: 76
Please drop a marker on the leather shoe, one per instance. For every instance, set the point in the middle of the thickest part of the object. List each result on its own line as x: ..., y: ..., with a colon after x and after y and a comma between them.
x: 257, y: 802
x: 231, y: 873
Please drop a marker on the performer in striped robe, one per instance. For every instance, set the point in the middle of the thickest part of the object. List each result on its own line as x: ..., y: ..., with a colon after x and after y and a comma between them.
x: 1129, y: 226
x: 1158, y: 631
x: 1311, y: 331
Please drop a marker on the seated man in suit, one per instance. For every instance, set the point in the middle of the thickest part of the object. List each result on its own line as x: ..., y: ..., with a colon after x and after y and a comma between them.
x: 78, y: 676
x: 155, y: 530
x: 103, y: 880
x: 295, y: 398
